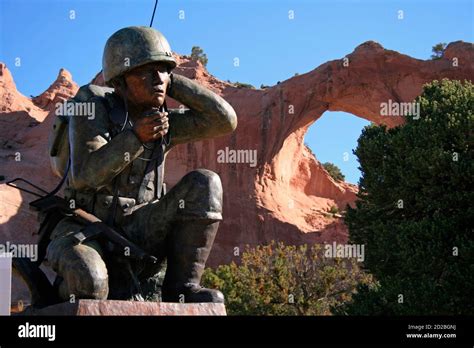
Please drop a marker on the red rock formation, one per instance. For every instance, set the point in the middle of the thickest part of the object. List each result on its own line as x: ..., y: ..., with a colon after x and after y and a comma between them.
x: 61, y: 89
x: 24, y: 128
x: 287, y: 194
x: 17, y: 111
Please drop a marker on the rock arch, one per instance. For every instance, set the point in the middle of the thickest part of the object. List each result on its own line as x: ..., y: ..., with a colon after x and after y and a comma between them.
x: 284, y: 196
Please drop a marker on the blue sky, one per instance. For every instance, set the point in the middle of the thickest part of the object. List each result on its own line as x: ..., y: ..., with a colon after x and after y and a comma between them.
x: 269, y: 45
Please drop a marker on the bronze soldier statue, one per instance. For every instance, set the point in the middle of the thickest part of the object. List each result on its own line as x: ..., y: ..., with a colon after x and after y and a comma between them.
x: 116, y: 173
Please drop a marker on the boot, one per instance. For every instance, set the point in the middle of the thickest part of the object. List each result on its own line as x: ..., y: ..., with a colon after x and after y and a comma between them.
x: 188, y: 247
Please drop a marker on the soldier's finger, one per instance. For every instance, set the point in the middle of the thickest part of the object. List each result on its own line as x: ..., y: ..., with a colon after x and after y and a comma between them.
x: 159, y: 134
x: 160, y: 128
x: 161, y: 120
x: 152, y: 112
x: 151, y: 122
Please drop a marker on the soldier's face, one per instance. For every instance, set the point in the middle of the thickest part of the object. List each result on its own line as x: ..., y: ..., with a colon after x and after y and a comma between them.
x: 147, y: 85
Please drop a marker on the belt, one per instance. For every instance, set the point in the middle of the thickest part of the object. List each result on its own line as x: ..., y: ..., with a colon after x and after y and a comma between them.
x: 124, y: 203
x: 99, y: 204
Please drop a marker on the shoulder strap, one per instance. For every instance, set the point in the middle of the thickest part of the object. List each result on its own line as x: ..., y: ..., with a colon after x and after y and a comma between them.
x: 117, y: 115
x: 116, y: 111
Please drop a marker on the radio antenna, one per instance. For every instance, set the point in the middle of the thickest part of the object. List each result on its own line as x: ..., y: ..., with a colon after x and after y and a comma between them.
x: 153, y: 15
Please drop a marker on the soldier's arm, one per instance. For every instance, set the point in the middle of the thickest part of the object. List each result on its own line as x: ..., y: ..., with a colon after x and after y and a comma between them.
x: 208, y: 116
x: 96, y: 161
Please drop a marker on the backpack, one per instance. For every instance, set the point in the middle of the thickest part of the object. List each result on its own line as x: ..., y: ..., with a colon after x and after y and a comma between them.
x: 58, y: 143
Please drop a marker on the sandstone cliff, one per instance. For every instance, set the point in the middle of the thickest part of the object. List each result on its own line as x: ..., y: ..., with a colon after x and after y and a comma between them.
x: 287, y: 195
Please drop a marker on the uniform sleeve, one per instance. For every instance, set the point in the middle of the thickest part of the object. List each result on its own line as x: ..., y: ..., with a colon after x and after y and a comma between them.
x: 208, y: 115
x: 95, y: 160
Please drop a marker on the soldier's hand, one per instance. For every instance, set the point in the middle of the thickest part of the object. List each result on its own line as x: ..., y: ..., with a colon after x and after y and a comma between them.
x: 151, y: 126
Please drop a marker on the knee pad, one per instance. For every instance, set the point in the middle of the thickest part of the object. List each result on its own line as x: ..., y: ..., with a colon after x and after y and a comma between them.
x: 204, y: 196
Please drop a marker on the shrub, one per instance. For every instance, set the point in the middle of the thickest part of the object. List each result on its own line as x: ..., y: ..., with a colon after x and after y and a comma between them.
x: 286, y: 280
x: 334, y: 171
x: 334, y: 209
x: 415, y: 211
x: 197, y: 53
x: 438, y: 50
x: 243, y: 85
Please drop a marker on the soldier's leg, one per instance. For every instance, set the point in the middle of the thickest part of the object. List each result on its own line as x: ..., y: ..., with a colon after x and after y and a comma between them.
x: 184, y: 223
x: 124, y: 283
x: 81, y: 269
x: 189, y: 245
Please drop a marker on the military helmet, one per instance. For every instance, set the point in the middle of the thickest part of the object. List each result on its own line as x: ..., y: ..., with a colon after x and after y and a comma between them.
x: 132, y: 47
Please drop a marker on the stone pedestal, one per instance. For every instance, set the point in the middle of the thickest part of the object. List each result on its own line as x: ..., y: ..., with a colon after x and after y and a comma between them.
x: 113, y: 307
